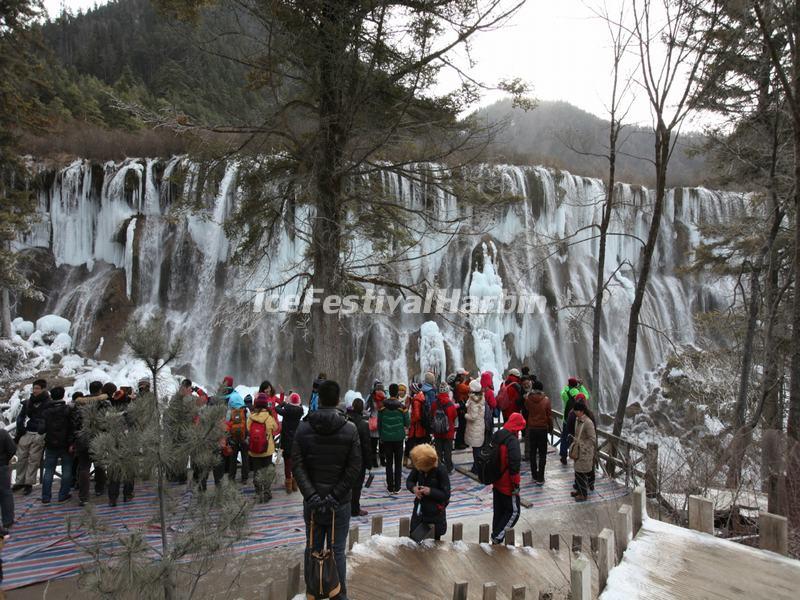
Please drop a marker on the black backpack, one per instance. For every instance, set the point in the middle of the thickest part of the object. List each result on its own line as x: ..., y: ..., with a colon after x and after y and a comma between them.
x: 487, y: 465
x: 441, y: 424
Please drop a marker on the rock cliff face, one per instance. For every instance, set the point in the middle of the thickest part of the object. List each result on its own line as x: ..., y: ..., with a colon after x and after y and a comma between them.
x: 110, y: 245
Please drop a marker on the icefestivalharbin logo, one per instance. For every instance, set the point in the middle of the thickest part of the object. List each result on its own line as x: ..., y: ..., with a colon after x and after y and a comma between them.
x: 379, y: 302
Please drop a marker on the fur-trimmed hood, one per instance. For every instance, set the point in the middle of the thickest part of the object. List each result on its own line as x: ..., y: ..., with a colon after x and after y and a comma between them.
x: 424, y: 458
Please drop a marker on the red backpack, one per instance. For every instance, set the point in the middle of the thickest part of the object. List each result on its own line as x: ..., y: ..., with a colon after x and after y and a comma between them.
x: 258, y: 438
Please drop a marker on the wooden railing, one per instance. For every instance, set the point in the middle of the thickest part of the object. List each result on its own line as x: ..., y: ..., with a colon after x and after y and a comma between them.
x: 637, y: 463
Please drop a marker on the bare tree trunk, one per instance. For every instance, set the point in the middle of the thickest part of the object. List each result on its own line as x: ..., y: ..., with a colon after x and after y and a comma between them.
x: 662, y: 159
x: 5, y: 314
x: 328, y: 334
x: 601, y: 264
x: 741, y: 438
x: 793, y: 424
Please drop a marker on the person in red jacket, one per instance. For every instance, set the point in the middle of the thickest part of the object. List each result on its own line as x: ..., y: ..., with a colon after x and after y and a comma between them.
x: 418, y: 430
x: 443, y: 440
x: 510, y: 397
x: 505, y: 492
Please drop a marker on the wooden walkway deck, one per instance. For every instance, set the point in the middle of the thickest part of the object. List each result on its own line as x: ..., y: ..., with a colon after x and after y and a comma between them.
x: 668, y: 562
x: 385, y: 568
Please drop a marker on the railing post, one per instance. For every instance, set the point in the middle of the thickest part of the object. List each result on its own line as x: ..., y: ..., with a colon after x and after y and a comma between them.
x: 405, y: 527
x: 352, y: 538
x: 651, y: 469
x: 639, y: 508
x: 458, y: 532
x: 293, y: 584
x: 773, y: 533
x: 518, y: 592
x: 377, y: 525
x: 490, y: 591
x: 510, y: 538
x: 623, y: 529
x: 527, y: 538
x: 701, y: 514
x: 580, y: 579
x: 483, y: 534
x: 577, y: 543
x: 460, y: 590
x: 554, y: 541
x: 606, y: 556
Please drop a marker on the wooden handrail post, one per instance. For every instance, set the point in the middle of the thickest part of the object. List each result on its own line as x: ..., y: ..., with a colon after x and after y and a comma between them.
x: 701, y: 514
x: 580, y: 579
x: 773, y: 533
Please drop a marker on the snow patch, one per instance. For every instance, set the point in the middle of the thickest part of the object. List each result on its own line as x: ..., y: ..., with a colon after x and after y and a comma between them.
x: 53, y: 324
x: 23, y: 328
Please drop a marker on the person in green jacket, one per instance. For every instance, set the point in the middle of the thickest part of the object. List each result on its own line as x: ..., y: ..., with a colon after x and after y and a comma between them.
x: 393, y: 419
x: 571, y: 390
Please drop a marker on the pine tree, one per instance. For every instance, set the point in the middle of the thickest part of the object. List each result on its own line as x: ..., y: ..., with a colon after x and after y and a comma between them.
x: 351, y: 95
x: 19, y: 109
x: 148, y: 440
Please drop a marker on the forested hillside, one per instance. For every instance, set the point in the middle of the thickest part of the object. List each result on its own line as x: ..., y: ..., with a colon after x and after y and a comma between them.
x: 127, y: 54
x: 561, y: 135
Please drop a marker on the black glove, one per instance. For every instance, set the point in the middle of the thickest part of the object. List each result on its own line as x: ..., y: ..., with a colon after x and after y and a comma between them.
x: 331, y: 503
x: 315, y: 502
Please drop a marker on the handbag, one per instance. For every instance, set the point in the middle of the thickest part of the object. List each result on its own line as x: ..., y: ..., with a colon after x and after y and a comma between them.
x: 574, y: 451
x: 373, y: 423
x: 322, y: 575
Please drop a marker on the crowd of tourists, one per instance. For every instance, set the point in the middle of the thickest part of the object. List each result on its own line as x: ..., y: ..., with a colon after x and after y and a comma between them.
x: 329, y: 447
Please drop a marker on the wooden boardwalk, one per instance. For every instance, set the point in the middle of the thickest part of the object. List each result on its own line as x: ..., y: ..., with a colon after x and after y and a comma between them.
x: 386, y: 568
x: 668, y: 562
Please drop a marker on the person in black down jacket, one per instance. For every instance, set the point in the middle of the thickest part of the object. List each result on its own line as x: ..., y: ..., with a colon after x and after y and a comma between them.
x: 290, y: 413
x: 356, y: 415
x: 326, y: 462
x: 59, y: 445
x: 430, y: 483
x: 30, y: 436
x: 7, y: 451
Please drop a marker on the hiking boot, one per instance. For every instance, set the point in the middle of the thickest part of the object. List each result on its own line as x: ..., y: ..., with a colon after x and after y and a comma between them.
x: 17, y: 487
x: 28, y: 489
x: 563, y: 460
x: 289, y: 485
x: 82, y: 503
x: 69, y: 497
x: 127, y: 498
x: 580, y: 498
x: 45, y: 501
x: 294, y: 485
x: 112, y: 503
x: 573, y: 494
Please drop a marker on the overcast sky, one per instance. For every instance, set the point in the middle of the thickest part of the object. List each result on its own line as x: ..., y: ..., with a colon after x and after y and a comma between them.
x: 559, y: 46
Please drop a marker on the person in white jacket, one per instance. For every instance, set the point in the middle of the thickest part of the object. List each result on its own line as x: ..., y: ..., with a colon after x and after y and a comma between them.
x: 476, y: 427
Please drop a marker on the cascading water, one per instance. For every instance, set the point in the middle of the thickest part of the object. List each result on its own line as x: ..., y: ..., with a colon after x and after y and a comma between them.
x: 114, y: 222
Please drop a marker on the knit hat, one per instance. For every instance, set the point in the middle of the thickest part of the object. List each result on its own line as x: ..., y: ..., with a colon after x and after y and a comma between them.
x: 444, y: 388
x: 294, y: 398
x: 228, y: 380
x: 572, y: 381
x: 430, y: 378
x: 475, y: 386
x: 261, y: 401
x: 143, y: 381
x: 515, y: 423
x: 514, y: 372
x: 415, y: 388
x: 580, y: 398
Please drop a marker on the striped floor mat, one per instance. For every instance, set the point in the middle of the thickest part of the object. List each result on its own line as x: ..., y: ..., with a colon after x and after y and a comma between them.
x: 46, y: 541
